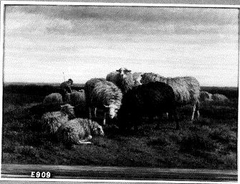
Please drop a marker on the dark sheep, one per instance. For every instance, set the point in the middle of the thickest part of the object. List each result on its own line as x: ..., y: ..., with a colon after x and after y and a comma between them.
x: 147, y: 100
x: 186, y: 89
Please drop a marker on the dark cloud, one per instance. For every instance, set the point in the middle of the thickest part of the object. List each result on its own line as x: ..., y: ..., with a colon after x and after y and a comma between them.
x: 136, y: 20
x: 143, y: 14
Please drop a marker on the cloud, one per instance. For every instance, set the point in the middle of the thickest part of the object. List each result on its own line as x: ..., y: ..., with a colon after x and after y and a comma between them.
x: 24, y: 23
x: 90, y: 41
x: 123, y: 20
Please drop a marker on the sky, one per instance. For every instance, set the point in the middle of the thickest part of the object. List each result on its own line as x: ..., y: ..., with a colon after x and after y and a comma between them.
x: 52, y: 43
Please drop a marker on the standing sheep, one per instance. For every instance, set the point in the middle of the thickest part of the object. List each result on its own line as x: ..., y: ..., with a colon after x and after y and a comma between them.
x: 53, y: 99
x: 102, y: 94
x: 78, y: 131
x: 53, y: 120
x: 152, y: 99
x: 186, y: 89
x: 78, y: 100
x: 77, y: 97
x: 123, y: 78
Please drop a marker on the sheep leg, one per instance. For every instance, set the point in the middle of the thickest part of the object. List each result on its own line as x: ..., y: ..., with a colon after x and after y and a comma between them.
x: 95, y: 112
x: 196, y: 110
x: 86, y: 140
x: 193, y: 113
x: 176, y: 120
x: 167, y: 115
x: 173, y: 116
x: 90, y: 113
x: 158, y: 123
x: 104, y: 118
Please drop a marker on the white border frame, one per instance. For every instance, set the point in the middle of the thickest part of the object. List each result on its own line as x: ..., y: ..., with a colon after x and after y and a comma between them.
x: 106, y: 4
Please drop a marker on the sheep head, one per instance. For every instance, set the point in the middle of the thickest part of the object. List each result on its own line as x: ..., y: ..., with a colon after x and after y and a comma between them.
x: 112, y: 110
x: 98, y: 130
x: 123, y: 72
x: 68, y: 109
x: 146, y: 78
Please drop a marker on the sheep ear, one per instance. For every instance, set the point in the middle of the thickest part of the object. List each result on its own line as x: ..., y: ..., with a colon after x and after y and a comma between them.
x: 106, y: 106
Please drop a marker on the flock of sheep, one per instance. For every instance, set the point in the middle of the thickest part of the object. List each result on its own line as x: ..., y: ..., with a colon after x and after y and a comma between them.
x: 122, y: 95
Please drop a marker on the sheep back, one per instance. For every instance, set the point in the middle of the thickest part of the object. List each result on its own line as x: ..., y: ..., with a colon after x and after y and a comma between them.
x: 53, y: 120
x: 219, y: 98
x: 78, y: 97
x: 53, y: 98
x: 101, y: 92
x: 78, y: 129
x: 186, y: 89
x: 150, y: 100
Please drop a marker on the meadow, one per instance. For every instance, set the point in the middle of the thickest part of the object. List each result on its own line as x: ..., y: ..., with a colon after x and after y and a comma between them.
x: 209, y: 142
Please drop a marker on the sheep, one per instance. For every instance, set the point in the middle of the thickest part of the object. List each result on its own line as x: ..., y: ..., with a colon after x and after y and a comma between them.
x: 53, y: 120
x: 123, y: 78
x: 102, y: 94
x: 78, y: 100
x: 152, y: 99
x: 78, y: 131
x: 219, y: 98
x: 205, y: 96
x: 186, y: 89
x: 137, y: 76
x: 53, y: 98
x: 77, y: 97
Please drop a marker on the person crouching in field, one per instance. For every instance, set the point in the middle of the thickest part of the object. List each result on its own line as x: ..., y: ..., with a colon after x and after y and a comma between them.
x: 66, y: 88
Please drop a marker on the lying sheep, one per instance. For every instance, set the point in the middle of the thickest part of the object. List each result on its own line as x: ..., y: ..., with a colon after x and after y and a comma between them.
x: 219, y: 98
x: 186, y: 89
x: 205, y: 96
x: 53, y: 98
x: 102, y: 94
x: 152, y: 99
x: 78, y: 131
x: 123, y: 78
x: 53, y: 120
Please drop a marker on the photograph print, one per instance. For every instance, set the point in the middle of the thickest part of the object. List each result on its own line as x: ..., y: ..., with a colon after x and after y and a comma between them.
x: 104, y: 91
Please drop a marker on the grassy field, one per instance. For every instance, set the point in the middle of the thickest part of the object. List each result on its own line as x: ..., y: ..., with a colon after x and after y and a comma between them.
x: 210, y: 142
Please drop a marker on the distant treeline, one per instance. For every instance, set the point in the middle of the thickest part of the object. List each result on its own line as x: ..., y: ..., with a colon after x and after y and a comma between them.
x: 45, y: 89
x: 230, y: 92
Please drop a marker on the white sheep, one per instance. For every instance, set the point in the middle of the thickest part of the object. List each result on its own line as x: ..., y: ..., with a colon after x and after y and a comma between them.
x: 123, y: 78
x: 53, y: 120
x: 53, y: 99
x: 219, y: 98
x: 186, y: 89
x: 102, y: 94
x: 79, y: 131
x: 137, y: 76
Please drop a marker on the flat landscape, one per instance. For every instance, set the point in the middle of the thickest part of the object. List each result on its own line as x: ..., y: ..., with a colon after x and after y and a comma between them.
x: 207, y: 143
